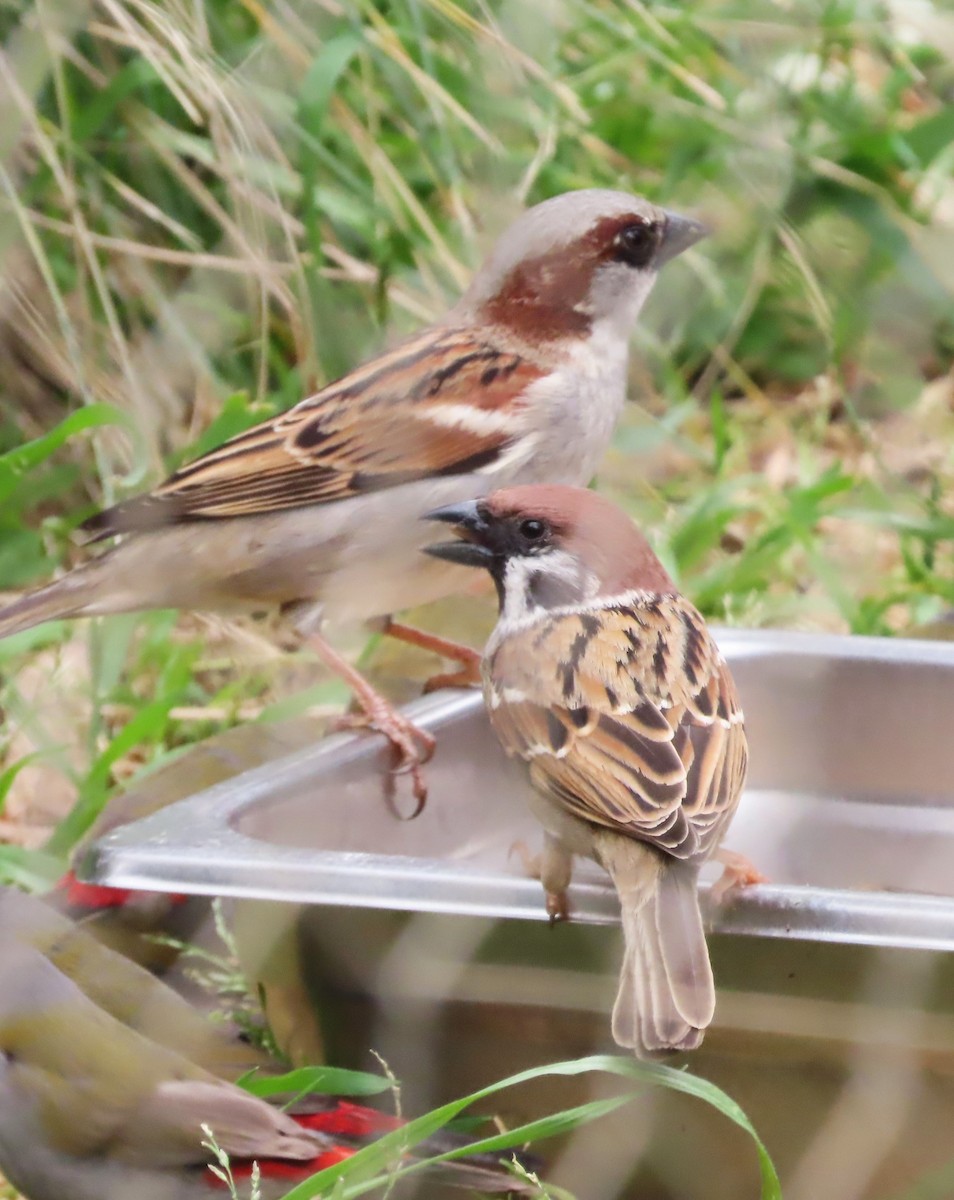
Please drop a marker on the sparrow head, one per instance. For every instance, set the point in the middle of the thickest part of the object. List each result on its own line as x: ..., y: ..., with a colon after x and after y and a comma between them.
x: 548, y: 545
x: 577, y: 262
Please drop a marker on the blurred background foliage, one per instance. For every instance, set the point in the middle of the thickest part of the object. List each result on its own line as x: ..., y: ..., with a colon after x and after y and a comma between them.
x: 209, y: 209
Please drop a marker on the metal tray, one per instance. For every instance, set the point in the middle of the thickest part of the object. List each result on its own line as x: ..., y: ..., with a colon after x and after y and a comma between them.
x: 849, y: 809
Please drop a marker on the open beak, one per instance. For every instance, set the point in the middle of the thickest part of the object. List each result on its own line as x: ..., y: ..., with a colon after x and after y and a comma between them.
x: 472, y: 529
x: 680, y: 234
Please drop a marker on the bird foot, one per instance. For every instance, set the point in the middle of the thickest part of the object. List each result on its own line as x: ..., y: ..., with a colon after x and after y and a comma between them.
x: 557, y: 904
x: 469, y: 673
x: 465, y: 677
x: 413, y: 747
x: 738, y: 872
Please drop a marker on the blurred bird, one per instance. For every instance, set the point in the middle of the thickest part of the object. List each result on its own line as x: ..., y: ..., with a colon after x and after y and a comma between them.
x: 127, y: 991
x: 607, y: 682
x: 125, y: 918
x: 522, y: 380
x: 90, y: 1109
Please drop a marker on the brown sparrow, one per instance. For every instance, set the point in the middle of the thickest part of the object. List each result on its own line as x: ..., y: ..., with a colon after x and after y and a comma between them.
x: 603, y: 678
x: 522, y: 380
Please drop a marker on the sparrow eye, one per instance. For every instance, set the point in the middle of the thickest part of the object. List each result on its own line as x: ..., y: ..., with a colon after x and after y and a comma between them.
x: 532, y: 529
x: 636, y: 244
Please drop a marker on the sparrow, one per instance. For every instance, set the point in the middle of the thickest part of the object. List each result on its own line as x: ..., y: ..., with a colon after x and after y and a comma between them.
x: 607, y: 683
x: 314, y: 510
x: 91, y: 1109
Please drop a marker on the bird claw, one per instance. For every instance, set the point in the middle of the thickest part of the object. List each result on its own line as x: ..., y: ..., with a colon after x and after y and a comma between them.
x: 469, y: 673
x: 413, y: 747
x: 738, y: 872
x: 467, y: 676
x: 558, y: 907
x: 557, y: 904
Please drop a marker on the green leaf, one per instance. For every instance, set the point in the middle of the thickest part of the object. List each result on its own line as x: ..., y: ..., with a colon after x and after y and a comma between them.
x: 331, y: 1081
x: 321, y: 78
x: 24, y: 458
x: 375, y: 1159
x: 9, y: 775
x: 33, y: 870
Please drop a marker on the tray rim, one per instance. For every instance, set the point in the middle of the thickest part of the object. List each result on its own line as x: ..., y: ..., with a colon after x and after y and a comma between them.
x: 169, y: 850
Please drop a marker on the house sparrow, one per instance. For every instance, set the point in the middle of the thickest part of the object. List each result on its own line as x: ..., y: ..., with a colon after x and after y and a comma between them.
x: 90, y: 1109
x: 603, y: 678
x: 522, y: 380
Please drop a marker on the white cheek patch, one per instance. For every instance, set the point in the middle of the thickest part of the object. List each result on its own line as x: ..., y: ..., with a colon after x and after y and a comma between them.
x: 619, y: 293
x: 538, y: 584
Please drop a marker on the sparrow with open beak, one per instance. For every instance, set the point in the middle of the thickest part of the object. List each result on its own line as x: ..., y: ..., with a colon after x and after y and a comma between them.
x: 607, y: 682
x: 314, y: 510
x: 91, y: 1109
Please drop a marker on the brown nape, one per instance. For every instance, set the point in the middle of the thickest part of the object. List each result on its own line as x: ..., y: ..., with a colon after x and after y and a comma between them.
x: 543, y: 299
x: 592, y: 527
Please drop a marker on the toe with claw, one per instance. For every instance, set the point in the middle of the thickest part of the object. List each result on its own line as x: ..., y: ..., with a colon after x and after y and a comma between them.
x: 413, y: 746
x: 738, y: 872
x: 469, y: 673
x: 555, y: 881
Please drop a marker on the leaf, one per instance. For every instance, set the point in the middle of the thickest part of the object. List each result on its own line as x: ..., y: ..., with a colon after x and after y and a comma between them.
x: 321, y: 78
x: 377, y: 1157
x: 24, y: 458
x: 33, y: 870
x: 330, y: 1081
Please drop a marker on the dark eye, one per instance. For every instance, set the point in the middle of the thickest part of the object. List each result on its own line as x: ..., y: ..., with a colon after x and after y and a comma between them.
x: 636, y: 244
x: 533, y: 530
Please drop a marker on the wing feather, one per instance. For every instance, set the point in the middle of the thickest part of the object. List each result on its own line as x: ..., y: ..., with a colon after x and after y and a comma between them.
x: 441, y: 403
x: 644, y: 734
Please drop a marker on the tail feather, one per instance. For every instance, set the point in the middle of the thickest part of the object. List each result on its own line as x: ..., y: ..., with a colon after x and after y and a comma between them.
x: 666, y: 996
x: 74, y: 595
x: 682, y: 941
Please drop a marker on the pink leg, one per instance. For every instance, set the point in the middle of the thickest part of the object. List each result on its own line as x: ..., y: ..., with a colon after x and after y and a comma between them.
x: 553, y: 867
x: 738, y: 872
x: 469, y: 673
x: 413, y: 746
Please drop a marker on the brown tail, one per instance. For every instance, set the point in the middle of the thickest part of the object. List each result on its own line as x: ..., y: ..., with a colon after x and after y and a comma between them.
x: 666, y: 995
x: 72, y: 596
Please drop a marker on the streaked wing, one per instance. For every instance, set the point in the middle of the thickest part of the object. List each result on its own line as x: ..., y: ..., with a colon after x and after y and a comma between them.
x: 628, y: 717
x: 438, y: 404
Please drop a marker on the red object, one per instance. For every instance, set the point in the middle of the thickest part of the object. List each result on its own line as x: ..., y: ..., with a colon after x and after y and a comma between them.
x: 93, y: 896
x: 348, y: 1127
x: 340, y: 1119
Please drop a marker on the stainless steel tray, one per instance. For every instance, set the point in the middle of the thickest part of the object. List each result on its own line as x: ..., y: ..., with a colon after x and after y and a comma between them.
x: 849, y: 809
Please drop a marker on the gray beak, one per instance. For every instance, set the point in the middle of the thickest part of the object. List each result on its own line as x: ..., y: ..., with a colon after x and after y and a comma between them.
x: 681, y: 233
x: 472, y: 527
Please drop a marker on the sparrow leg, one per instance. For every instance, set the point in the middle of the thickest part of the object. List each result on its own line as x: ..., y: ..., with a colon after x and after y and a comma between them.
x: 738, y: 872
x: 554, y: 868
x: 413, y: 746
x: 469, y: 673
